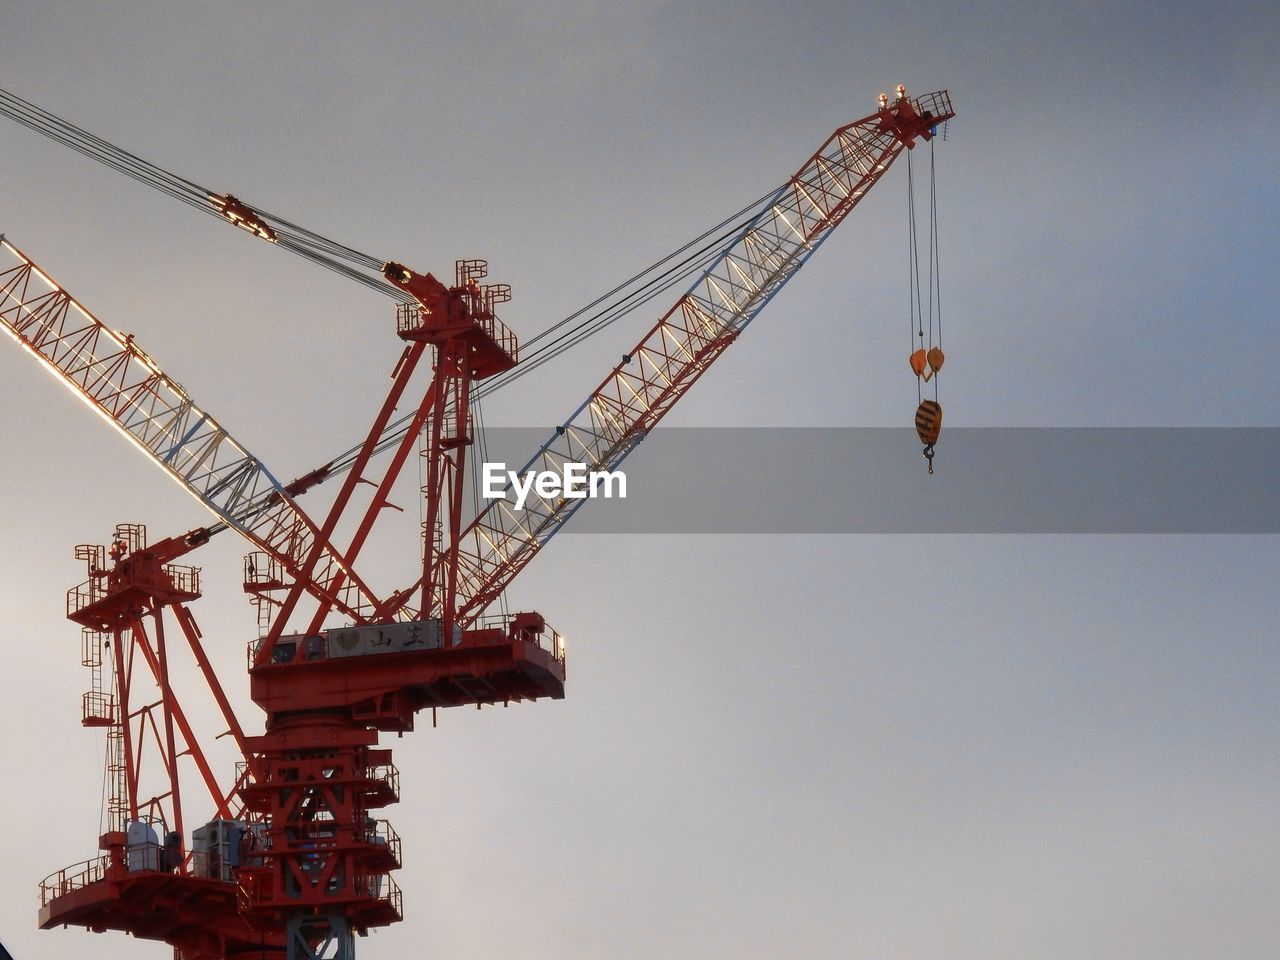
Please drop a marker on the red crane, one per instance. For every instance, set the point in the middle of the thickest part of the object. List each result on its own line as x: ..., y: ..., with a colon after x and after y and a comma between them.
x: 295, y: 860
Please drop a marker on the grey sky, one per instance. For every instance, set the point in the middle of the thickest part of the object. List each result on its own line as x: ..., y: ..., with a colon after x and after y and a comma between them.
x: 912, y: 747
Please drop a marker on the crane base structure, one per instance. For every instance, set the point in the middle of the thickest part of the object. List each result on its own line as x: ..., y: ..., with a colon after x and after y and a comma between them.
x: 304, y: 830
x: 143, y: 884
x: 199, y: 917
x: 296, y: 860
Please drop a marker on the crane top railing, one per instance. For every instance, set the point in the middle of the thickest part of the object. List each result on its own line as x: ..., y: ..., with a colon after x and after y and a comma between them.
x: 72, y: 878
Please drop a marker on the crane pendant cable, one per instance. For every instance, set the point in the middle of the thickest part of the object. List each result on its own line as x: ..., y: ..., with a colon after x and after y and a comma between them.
x: 670, y: 271
x: 305, y: 243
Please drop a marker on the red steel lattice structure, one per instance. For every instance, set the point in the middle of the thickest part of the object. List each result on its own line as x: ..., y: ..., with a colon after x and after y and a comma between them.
x: 310, y: 863
x: 142, y: 884
x: 118, y: 380
x: 701, y: 325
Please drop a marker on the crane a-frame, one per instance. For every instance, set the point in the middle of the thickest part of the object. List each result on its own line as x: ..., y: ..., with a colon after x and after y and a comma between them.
x: 294, y: 861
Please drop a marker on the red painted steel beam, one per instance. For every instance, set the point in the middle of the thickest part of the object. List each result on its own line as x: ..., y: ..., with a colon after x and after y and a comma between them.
x: 403, y: 373
x: 377, y: 504
x: 173, y: 709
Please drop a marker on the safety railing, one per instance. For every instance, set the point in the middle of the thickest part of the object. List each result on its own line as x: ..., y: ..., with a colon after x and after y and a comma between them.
x: 497, y: 331
x: 251, y: 651
x: 380, y: 886
x: 381, y: 832
x: 315, y: 646
x: 556, y: 645
x: 184, y: 579
x: 97, y: 709
x: 244, y: 774
x: 936, y: 104
x: 548, y: 640
x: 409, y: 318
x: 84, y: 594
x: 387, y: 774
x: 72, y: 878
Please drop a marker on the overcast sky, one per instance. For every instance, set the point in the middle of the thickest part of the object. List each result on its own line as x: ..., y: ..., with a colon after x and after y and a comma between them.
x: 923, y: 747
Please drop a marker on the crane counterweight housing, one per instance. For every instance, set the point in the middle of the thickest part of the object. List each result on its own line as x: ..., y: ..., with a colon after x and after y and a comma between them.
x: 294, y: 859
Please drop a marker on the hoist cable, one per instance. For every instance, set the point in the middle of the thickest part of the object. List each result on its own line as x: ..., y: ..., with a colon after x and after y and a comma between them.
x: 395, y: 431
x: 337, y: 249
x: 83, y: 144
x: 344, y: 270
x: 623, y: 306
x: 931, y: 250
x: 933, y: 216
x: 913, y: 275
x: 935, y: 276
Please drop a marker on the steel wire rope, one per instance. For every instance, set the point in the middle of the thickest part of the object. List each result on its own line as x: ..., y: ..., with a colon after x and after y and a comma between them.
x: 397, y: 429
x: 913, y: 275
x: 589, y: 326
x: 732, y: 218
x: 328, y: 253
x: 933, y: 215
x: 84, y: 143
x: 323, y: 251
x: 589, y: 329
x: 49, y: 124
x: 298, y: 240
x: 659, y: 284
x: 935, y: 281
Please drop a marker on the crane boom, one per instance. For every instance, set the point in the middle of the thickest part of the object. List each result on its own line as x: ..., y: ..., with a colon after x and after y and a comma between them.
x: 117, y: 379
x: 680, y: 347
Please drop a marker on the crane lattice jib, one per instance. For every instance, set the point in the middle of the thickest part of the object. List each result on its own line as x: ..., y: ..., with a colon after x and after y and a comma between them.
x: 691, y: 335
x: 117, y: 378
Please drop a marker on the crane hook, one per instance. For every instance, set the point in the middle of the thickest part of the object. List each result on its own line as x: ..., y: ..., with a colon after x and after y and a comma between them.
x: 928, y: 455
